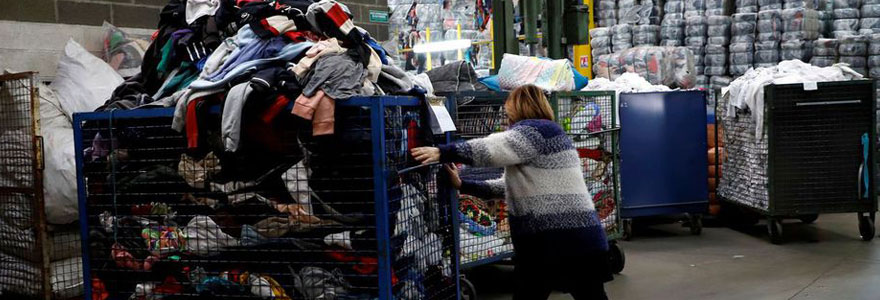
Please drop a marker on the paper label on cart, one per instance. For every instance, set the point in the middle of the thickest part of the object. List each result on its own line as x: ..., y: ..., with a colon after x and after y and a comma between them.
x: 811, y: 86
x: 441, y: 122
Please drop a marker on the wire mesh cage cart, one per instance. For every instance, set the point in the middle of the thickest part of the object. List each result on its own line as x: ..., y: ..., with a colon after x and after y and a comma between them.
x: 38, y: 260
x: 811, y: 153
x: 484, y: 235
x: 287, y: 215
x: 663, y: 156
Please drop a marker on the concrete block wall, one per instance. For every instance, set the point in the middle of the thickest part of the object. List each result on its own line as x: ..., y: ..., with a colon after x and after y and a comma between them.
x: 33, y: 32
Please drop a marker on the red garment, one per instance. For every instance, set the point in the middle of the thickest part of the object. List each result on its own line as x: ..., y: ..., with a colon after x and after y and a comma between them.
x: 594, y: 154
x: 412, y: 135
x: 99, y: 290
x: 320, y: 109
x: 192, y: 124
x: 124, y: 259
x: 273, y: 111
x: 363, y: 264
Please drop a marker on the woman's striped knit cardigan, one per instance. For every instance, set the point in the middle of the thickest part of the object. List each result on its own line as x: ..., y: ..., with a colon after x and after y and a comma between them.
x: 543, y: 184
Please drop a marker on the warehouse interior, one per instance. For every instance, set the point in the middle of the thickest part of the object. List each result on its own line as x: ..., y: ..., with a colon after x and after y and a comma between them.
x: 379, y: 149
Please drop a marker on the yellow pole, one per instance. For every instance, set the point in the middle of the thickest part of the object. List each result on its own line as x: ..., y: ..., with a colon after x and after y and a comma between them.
x: 458, y: 36
x: 492, y: 38
x: 428, y: 40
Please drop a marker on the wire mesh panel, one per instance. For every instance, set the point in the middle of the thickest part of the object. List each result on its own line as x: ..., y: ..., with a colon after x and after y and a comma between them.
x: 589, y: 118
x: 287, y: 215
x: 484, y: 233
x: 23, y: 262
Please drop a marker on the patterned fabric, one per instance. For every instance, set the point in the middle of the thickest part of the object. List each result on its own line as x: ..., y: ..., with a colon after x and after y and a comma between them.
x: 543, y: 180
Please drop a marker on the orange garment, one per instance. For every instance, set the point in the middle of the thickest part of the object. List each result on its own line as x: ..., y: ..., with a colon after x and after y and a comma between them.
x: 320, y: 109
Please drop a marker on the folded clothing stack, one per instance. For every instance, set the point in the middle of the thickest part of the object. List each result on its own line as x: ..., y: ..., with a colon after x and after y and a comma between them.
x: 824, y: 52
x: 742, y: 43
x: 846, y: 18
x: 621, y: 37
x: 672, y: 27
x: 768, y: 38
x: 874, y: 56
x: 852, y: 50
x: 800, y: 26
x: 646, y: 35
x: 600, y: 43
x: 696, y: 36
x: 716, y: 45
x: 605, y: 13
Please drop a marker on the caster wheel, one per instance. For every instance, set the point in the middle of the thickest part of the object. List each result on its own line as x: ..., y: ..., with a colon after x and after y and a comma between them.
x: 696, y: 221
x: 627, y: 229
x: 866, y: 226
x: 618, y: 258
x: 774, y: 228
x: 468, y: 291
x: 809, y: 219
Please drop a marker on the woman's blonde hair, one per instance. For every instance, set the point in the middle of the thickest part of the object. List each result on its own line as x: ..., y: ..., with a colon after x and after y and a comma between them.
x: 528, y: 102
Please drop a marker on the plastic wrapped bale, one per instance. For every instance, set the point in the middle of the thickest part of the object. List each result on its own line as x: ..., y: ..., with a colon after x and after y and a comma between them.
x: 846, y: 3
x: 825, y: 47
x: 845, y: 25
x: 640, y: 62
x: 800, y: 23
x: 823, y: 61
x: 658, y: 66
x: 683, y: 67
x: 808, y: 4
x: 628, y: 11
x: 853, y: 45
x: 857, y: 63
x: 695, y: 41
x: 875, y: 73
x: 621, y: 37
x: 740, y: 62
x: 674, y: 7
x: 605, y: 13
x: 741, y: 48
x: 719, y: 81
x: 870, y: 23
x: 646, y: 35
x: 696, y: 27
x: 874, y: 44
x: 602, y: 65
x: 870, y: 11
x: 766, y: 57
x: 672, y: 33
x: 718, y: 7
x: 716, y: 64
x: 764, y: 4
x: 846, y: 13
x: 694, y: 5
x: 796, y: 49
x: 702, y: 81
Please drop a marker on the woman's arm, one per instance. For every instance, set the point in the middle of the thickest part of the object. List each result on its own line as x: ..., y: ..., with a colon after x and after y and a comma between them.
x: 486, y: 189
x: 512, y: 147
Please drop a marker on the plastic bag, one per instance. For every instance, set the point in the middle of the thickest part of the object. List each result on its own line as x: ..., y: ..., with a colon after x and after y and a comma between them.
x: 83, y: 81
x: 550, y: 75
x: 800, y: 19
x: 825, y: 47
x: 123, y: 53
x: 600, y: 42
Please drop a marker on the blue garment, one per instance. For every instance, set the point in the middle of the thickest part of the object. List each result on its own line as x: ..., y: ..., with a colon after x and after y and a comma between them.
x: 376, y: 47
x: 288, y: 53
x: 256, y: 50
x: 491, y: 82
x: 580, y: 81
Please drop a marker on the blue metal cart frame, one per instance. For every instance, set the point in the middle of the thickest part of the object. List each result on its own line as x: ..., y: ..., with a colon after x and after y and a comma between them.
x: 381, y: 175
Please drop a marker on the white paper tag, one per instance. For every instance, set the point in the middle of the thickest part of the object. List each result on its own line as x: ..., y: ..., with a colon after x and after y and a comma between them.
x: 811, y: 86
x: 441, y: 122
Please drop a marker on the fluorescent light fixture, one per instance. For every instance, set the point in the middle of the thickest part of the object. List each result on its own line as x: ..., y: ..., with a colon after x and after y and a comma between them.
x: 442, y: 46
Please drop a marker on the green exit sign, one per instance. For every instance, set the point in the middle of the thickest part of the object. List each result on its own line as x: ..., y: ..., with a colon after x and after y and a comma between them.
x: 378, y: 16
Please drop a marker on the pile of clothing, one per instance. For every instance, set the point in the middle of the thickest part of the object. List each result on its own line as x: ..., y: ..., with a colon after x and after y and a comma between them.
x: 670, y: 66
x: 745, y: 140
x: 485, y: 230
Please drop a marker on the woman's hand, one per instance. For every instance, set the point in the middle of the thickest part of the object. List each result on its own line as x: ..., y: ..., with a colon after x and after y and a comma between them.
x: 426, y: 155
x: 454, y: 179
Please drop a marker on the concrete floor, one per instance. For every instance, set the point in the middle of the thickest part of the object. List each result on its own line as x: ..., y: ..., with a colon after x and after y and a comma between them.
x: 825, y: 260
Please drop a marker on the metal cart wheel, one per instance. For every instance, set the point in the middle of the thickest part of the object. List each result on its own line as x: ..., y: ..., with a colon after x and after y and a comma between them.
x: 468, y: 291
x: 696, y: 221
x: 618, y: 258
x: 809, y: 219
x: 627, y: 229
x: 866, y: 226
x: 774, y: 228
